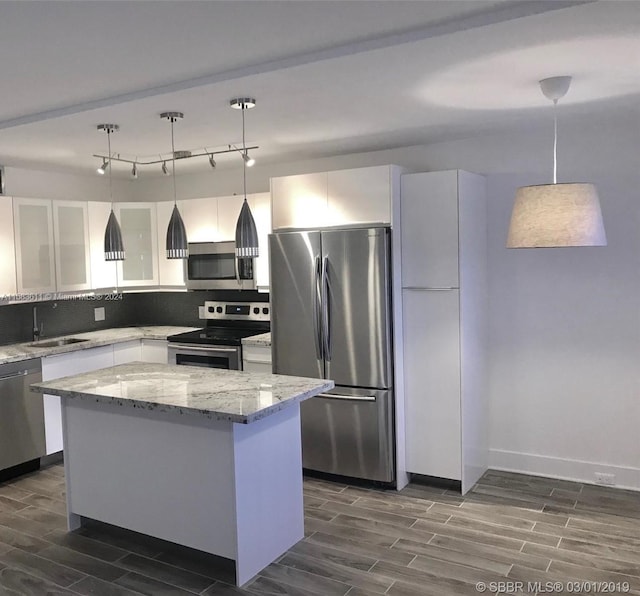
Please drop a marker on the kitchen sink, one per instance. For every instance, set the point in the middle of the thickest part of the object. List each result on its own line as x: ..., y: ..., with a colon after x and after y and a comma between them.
x: 61, y: 341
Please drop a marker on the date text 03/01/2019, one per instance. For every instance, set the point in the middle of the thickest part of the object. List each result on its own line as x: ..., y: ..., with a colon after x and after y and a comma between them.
x: 575, y: 587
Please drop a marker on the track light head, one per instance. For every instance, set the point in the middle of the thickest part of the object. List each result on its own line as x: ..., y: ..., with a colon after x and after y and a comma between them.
x: 165, y: 169
x: 212, y: 162
x: 134, y: 171
x: 103, y: 168
x: 248, y: 160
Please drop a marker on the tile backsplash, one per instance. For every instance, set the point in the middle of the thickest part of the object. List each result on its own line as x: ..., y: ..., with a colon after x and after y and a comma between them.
x: 62, y: 317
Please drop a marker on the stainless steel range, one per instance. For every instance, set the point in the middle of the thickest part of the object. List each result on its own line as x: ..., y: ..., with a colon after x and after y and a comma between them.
x: 219, y: 344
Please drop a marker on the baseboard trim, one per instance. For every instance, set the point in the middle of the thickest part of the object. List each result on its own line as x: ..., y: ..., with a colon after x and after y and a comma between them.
x: 565, y: 469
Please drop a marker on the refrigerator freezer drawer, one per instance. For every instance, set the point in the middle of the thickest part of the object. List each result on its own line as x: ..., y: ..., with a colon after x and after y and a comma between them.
x: 349, y: 432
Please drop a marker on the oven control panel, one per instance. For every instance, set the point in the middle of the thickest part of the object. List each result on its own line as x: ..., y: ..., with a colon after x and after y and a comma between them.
x: 237, y: 311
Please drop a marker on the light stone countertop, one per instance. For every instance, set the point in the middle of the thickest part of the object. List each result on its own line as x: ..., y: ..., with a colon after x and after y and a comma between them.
x: 262, y: 340
x: 24, y: 351
x: 208, y: 392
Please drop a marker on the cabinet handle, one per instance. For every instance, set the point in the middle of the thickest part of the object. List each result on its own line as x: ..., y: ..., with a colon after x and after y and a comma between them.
x: 252, y: 361
x: 430, y: 289
x: 348, y: 397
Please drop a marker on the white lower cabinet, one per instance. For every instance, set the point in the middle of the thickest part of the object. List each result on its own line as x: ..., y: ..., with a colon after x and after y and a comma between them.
x: 256, y: 359
x: 128, y: 351
x: 154, y: 350
x: 63, y: 365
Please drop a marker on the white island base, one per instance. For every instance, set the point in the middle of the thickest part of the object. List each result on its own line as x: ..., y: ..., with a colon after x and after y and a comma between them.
x: 225, y: 488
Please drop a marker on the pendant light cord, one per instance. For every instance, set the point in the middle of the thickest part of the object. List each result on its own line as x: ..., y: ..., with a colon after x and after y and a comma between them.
x: 555, y: 141
x: 244, y: 157
x: 110, y: 181
x: 173, y: 164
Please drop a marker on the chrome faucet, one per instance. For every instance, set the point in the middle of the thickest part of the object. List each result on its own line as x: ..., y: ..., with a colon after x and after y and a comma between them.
x: 37, y: 331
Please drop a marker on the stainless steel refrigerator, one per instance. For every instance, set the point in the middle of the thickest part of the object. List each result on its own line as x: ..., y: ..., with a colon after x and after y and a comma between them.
x: 331, y: 318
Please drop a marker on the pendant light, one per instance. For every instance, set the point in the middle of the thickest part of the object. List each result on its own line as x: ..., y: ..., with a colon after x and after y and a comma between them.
x: 556, y: 215
x: 113, y: 245
x: 176, y: 244
x: 246, y: 232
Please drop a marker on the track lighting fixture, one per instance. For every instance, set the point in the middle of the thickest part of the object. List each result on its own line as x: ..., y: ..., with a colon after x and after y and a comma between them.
x: 176, y: 243
x: 113, y: 245
x: 246, y: 232
x: 248, y: 160
x: 212, y: 162
x: 556, y: 215
x: 103, y: 168
x: 165, y: 170
x: 134, y: 171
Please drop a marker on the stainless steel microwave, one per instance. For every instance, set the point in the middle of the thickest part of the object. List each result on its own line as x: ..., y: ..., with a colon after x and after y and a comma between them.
x: 214, y: 266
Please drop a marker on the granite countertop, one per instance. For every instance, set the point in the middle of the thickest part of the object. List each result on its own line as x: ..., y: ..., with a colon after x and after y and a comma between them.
x: 188, y: 390
x: 263, y: 340
x: 24, y: 351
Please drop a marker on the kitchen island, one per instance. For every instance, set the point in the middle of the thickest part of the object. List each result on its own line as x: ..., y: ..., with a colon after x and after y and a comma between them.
x: 206, y: 458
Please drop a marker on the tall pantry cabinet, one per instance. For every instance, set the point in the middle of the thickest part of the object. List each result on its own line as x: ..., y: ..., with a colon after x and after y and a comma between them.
x: 444, y: 295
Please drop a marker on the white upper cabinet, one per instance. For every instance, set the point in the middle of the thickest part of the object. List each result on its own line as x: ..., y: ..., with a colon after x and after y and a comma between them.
x: 200, y: 218
x: 300, y: 201
x: 429, y: 213
x: 71, y: 233
x: 140, y: 238
x: 358, y: 196
x: 33, y: 225
x: 170, y: 271
x: 7, y: 250
x: 343, y: 197
x: 103, y: 273
x: 228, y: 212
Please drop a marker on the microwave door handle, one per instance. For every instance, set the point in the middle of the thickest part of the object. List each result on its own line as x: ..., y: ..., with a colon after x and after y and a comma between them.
x: 317, y: 308
x: 326, y: 310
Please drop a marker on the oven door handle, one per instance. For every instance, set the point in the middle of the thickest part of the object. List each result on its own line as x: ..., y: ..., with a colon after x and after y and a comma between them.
x: 199, y: 348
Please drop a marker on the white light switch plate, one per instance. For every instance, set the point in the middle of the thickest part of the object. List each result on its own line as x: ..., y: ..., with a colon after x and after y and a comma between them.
x: 201, y: 312
x: 98, y: 313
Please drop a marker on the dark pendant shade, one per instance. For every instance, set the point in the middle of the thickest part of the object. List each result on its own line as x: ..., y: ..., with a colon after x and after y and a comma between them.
x: 176, y: 237
x: 246, y: 233
x: 113, y: 246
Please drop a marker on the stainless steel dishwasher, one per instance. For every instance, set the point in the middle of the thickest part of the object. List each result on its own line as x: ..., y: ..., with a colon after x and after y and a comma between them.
x: 21, y: 414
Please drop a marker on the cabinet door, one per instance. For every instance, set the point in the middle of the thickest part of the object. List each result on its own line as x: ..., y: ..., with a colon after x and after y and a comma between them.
x: 432, y: 382
x: 33, y: 224
x: 170, y: 271
x: 155, y: 350
x: 128, y: 351
x: 71, y: 233
x: 63, y: 365
x: 200, y: 217
x: 228, y: 212
x: 256, y: 359
x: 260, y: 204
x: 300, y: 201
x: 140, y: 238
x: 103, y: 273
x: 362, y: 195
x: 7, y: 250
x: 429, y: 214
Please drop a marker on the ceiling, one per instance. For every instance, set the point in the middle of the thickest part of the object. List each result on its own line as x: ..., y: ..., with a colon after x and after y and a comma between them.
x: 329, y: 77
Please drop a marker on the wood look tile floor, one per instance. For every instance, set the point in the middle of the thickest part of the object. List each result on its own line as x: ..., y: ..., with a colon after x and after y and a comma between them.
x: 511, y: 529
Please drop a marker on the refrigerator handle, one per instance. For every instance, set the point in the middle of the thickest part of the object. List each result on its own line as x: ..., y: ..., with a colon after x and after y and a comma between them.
x: 317, y: 308
x: 326, y: 310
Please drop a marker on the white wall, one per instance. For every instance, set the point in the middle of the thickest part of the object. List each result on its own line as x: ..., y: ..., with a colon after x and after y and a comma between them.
x: 20, y: 182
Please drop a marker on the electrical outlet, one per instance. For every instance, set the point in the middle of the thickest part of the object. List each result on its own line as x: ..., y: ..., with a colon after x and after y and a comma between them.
x: 606, y: 479
x: 98, y: 313
x: 201, y: 312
